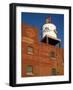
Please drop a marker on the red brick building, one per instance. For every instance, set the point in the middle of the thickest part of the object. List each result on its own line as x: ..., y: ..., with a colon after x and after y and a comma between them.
x: 40, y: 58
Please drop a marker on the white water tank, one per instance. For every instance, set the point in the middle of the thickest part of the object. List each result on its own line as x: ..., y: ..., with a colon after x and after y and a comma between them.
x: 49, y: 30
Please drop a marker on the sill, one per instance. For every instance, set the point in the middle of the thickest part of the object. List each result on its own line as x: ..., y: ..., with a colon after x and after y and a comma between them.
x: 29, y: 74
x: 53, y: 58
x: 30, y: 53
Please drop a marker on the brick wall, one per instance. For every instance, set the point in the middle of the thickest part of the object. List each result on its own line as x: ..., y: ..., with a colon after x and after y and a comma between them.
x: 41, y: 61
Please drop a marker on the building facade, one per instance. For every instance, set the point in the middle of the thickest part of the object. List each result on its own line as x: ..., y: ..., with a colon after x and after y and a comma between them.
x: 40, y: 58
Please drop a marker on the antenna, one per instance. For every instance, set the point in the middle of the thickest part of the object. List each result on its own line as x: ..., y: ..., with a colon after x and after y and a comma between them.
x: 48, y: 20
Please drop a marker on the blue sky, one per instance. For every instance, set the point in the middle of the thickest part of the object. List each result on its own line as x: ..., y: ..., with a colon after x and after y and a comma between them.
x: 38, y: 19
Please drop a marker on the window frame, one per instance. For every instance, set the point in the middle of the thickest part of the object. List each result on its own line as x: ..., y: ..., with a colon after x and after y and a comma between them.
x: 30, y: 52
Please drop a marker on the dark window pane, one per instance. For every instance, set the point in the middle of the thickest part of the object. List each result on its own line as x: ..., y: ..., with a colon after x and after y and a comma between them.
x: 52, y: 54
x: 29, y: 69
x: 54, y: 71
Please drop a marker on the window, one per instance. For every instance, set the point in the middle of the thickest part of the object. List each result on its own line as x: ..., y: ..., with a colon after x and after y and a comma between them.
x: 30, y: 50
x: 54, y: 72
x: 52, y: 55
x: 29, y: 70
